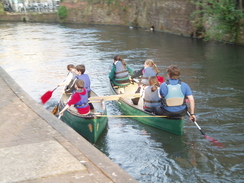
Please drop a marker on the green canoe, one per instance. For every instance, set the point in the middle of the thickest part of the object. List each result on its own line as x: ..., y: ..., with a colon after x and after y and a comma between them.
x: 89, y: 126
x: 136, y: 111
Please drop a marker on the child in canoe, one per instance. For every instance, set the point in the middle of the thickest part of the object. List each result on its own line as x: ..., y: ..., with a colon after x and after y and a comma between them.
x: 80, y: 71
x: 79, y: 99
x: 70, y: 77
x: 120, y: 72
x: 149, y: 69
x: 151, y: 96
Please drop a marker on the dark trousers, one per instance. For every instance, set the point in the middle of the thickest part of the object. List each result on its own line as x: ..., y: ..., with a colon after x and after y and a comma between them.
x: 136, y: 100
x: 162, y: 111
x: 90, y: 104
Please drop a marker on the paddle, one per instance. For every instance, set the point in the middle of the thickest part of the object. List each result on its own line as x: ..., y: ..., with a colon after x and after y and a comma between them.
x: 211, y: 139
x: 114, y: 97
x: 160, y: 80
x: 47, y: 95
x: 55, y: 110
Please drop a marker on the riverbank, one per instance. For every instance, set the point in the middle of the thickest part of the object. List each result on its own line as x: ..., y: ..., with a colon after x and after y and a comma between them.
x: 168, y: 16
x: 36, y: 146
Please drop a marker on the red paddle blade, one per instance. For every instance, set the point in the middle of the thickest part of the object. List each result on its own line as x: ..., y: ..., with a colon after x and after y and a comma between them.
x: 160, y: 79
x: 214, y: 141
x: 46, y: 96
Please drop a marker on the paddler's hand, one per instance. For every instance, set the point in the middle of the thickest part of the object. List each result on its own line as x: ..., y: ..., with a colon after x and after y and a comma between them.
x: 60, y: 115
x: 193, y: 117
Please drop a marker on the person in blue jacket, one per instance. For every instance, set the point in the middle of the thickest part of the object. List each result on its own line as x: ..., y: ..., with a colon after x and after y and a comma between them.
x: 173, y: 93
x: 80, y: 71
x: 80, y: 74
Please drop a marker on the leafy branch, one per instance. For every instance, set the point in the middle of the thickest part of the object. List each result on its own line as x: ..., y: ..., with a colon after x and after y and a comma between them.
x: 220, y: 18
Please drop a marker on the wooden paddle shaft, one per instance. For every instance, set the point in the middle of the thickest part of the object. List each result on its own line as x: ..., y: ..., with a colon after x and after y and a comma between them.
x: 129, y: 116
x: 115, y: 97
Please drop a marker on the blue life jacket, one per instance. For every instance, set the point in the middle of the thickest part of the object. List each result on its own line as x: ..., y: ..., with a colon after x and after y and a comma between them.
x: 151, y: 99
x: 86, y: 80
x: 149, y: 71
x: 120, y: 71
x: 174, y: 96
x: 84, y: 100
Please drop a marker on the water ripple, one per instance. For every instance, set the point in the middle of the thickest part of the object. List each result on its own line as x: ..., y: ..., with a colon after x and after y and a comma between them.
x: 36, y: 55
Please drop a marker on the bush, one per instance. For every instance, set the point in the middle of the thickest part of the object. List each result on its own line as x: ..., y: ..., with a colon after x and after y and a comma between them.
x: 1, y: 8
x: 62, y: 12
x: 221, y: 19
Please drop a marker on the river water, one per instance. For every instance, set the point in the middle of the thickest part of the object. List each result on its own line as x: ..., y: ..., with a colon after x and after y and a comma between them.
x: 36, y: 54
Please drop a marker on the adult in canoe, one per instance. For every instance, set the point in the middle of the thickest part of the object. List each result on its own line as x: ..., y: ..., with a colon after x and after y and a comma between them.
x: 120, y: 72
x: 173, y: 93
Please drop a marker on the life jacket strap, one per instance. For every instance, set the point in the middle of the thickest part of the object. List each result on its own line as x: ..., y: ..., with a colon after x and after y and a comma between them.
x: 121, y: 77
x: 148, y: 101
x: 121, y: 72
x: 167, y: 82
x: 80, y: 105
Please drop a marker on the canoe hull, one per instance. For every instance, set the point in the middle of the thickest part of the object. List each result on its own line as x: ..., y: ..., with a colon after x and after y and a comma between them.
x: 89, y: 128
x: 168, y: 124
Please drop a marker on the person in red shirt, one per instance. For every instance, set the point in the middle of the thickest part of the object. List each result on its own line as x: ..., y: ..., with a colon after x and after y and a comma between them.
x: 79, y: 99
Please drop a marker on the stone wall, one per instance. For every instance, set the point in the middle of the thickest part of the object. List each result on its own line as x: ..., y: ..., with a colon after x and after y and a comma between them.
x: 165, y: 15
x: 30, y: 17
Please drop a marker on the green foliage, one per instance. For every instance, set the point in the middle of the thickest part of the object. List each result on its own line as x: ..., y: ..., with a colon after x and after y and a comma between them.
x: 124, y: 9
x: 95, y: 1
x: 109, y: 2
x: 1, y: 8
x: 62, y: 12
x: 221, y: 18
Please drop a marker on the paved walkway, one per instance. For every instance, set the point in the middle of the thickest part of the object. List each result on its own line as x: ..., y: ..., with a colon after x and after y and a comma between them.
x: 36, y: 147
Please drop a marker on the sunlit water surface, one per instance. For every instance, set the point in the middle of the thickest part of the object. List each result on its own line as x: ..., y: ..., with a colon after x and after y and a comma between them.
x: 36, y: 55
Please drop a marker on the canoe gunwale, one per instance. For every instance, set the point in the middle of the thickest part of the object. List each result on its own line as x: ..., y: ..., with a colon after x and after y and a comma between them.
x: 169, y: 124
x: 89, y: 126
x: 136, y: 108
x: 86, y: 116
x: 90, y: 115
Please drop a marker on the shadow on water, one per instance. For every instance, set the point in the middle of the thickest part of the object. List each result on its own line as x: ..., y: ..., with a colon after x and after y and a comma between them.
x: 36, y: 56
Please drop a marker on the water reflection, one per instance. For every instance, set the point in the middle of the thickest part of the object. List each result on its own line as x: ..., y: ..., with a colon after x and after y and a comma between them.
x: 155, y: 153
x: 36, y: 55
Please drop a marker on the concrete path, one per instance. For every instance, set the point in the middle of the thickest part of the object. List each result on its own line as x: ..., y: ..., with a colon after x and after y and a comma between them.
x: 36, y: 147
